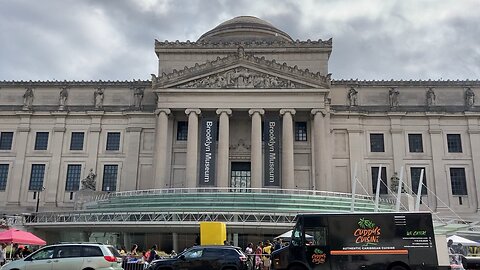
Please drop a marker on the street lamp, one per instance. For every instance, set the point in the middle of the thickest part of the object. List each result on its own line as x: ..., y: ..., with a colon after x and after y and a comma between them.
x: 38, y: 198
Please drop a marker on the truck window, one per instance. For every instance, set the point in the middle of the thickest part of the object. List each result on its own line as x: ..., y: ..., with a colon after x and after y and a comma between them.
x: 316, y: 236
x: 297, y: 235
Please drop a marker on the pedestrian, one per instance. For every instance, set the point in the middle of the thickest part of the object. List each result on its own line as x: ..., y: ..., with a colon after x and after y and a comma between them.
x: 18, y: 254
x: 153, y: 254
x: 3, y: 253
x: 267, y: 250
x: 26, y: 251
x: 258, y: 256
x: 278, y: 244
x: 133, y: 251
x: 249, y: 253
x: 122, y: 251
x: 144, y: 257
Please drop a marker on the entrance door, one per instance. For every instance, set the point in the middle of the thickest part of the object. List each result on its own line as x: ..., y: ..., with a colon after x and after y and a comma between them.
x: 240, y: 176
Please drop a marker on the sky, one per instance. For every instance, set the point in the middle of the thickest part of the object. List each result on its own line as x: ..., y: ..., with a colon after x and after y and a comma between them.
x: 114, y: 39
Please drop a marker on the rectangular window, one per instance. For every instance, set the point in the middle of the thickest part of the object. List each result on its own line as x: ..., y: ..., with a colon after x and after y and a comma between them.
x: 376, y: 142
x: 459, y: 181
x: 36, y: 177
x: 41, y: 141
x: 3, y: 176
x: 6, y: 139
x: 383, y: 181
x: 113, y: 141
x: 415, y: 143
x: 76, y: 142
x: 182, y: 130
x: 73, y: 177
x: 110, y: 177
x: 301, y: 131
x: 415, y: 177
x: 454, y: 143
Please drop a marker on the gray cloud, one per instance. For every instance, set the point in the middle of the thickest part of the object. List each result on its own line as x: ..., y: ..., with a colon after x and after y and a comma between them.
x: 373, y: 39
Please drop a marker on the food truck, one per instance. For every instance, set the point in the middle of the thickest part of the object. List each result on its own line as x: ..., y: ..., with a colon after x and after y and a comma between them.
x: 390, y: 241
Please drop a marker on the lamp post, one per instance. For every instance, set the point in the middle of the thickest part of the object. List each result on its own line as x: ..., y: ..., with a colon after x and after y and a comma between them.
x: 38, y: 198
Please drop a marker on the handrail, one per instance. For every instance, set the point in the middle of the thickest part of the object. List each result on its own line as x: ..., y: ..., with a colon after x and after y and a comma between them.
x: 230, y: 190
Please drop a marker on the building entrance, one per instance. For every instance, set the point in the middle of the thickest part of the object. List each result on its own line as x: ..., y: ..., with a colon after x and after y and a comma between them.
x: 240, y: 176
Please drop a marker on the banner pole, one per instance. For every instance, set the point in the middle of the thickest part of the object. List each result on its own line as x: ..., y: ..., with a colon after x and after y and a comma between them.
x: 377, y: 193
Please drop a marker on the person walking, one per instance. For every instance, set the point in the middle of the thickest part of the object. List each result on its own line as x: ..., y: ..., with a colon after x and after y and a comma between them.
x: 153, y: 254
x: 133, y: 251
x: 3, y: 253
x: 258, y: 256
x: 250, y: 255
x: 267, y: 250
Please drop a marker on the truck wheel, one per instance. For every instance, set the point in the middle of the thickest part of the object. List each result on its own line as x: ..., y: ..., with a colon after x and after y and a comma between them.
x: 398, y: 267
x: 297, y: 267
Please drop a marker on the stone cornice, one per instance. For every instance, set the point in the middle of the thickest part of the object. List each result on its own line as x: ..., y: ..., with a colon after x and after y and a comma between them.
x: 409, y: 83
x: 178, y: 77
x: 70, y: 84
x: 248, y: 44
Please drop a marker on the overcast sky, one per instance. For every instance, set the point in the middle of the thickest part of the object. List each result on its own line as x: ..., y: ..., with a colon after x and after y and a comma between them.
x: 114, y: 39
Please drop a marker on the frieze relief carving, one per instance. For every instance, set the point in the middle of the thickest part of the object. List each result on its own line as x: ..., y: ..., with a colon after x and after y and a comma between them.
x: 240, y: 147
x: 241, y: 78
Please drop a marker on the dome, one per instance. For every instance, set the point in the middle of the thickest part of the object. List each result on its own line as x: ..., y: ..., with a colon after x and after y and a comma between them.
x: 244, y: 28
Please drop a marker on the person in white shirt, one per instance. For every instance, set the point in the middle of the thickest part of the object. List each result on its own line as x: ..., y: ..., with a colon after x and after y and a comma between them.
x: 3, y: 253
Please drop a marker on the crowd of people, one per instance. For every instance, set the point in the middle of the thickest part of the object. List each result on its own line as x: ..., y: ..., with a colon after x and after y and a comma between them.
x: 260, y: 256
x: 143, y: 257
x: 18, y: 252
x: 456, y: 252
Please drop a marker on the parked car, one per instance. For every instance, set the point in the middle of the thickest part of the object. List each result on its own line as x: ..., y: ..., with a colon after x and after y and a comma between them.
x: 78, y: 256
x: 204, y: 258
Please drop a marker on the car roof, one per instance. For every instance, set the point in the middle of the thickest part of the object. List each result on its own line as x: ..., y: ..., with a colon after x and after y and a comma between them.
x: 217, y: 246
x: 76, y: 244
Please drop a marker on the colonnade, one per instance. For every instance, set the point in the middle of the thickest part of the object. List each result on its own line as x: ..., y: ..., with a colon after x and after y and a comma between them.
x: 320, y: 162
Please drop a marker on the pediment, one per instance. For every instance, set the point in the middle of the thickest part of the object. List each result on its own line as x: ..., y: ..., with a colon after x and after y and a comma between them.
x: 241, y: 71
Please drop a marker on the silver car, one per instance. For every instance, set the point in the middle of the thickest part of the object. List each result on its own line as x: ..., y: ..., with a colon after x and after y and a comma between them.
x: 70, y: 256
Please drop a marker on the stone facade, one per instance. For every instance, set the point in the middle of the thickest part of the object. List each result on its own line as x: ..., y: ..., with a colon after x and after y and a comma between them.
x: 433, y: 125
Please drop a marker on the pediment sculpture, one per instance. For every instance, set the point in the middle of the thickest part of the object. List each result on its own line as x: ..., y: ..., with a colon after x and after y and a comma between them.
x: 241, y: 70
x: 241, y: 77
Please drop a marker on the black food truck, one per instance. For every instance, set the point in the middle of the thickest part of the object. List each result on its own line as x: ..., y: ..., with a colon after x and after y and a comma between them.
x: 390, y: 241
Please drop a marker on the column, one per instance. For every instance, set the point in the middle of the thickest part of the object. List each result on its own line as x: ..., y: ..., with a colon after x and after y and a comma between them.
x: 175, y: 242
x: 192, y: 147
x: 161, y: 148
x: 223, y: 147
x: 474, y: 134
x: 53, y: 191
x: 356, y: 156
x: 319, y: 137
x: 398, y: 143
x: 288, y: 168
x: 327, y: 150
x: 93, y: 146
x: 129, y: 180
x: 17, y: 179
x: 440, y: 179
x: 256, y: 147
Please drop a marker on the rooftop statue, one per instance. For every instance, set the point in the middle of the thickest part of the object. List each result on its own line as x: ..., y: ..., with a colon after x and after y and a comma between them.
x: 89, y: 181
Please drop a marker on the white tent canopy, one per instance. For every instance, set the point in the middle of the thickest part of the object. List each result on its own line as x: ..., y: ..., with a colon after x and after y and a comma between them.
x: 287, y: 236
x: 464, y: 241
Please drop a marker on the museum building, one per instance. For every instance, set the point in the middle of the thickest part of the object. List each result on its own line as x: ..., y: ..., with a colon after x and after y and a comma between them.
x: 245, y: 109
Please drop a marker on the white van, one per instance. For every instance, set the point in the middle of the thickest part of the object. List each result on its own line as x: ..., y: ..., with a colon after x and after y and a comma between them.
x: 70, y: 256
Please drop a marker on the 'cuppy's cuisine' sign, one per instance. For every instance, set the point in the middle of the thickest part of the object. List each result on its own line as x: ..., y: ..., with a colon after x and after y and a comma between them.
x: 367, y: 233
